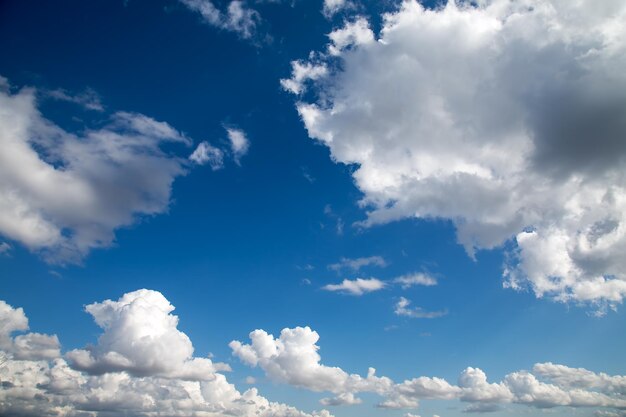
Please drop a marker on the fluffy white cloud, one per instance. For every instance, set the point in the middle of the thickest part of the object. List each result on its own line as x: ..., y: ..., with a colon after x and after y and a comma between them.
x: 239, y: 143
x: 357, y: 286
x: 301, y: 72
x: 237, y: 18
x: 505, y: 117
x: 205, y: 153
x: 30, y: 346
x: 357, y: 263
x: 293, y: 358
x: 63, y: 194
x: 48, y: 386
x: 402, y: 309
x: 141, y: 337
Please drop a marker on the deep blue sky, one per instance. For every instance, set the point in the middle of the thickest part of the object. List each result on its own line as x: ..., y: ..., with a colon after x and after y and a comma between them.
x: 248, y: 246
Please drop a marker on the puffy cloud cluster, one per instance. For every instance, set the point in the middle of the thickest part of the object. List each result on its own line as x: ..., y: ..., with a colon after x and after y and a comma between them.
x: 140, y: 336
x: 64, y: 194
x: 505, y: 117
x: 141, y: 366
x: 237, y: 18
x: 293, y: 358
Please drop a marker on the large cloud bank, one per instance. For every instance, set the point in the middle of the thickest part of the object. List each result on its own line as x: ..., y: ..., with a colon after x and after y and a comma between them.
x: 142, y: 365
x: 293, y: 358
x: 506, y: 117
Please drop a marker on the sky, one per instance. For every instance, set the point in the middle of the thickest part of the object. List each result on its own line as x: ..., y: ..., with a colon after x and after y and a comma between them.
x: 312, y: 208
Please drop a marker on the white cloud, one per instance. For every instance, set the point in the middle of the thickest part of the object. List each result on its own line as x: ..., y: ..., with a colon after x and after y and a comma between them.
x: 141, y: 337
x: 410, y: 280
x: 237, y: 18
x: 505, y: 117
x: 402, y: 309
x: 48, y: 386
x: 31, y: 346
x: 357, y: 263
x: 205, y: 153
x: 63, y: 194
x: 293, y: 359
x: 239, y: 143
x: 301, y: 72
x: 88, y: 99
x: 332, y: 7
x: 357, y: 287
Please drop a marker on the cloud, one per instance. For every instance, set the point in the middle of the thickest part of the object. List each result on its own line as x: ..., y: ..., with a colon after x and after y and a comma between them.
x: 357, y: 287
x: 205, y: 153
x: 5, y: 248
x: 402, y: 309
x: 141, y: 338
x: 239, y: 143
x: 45, y: 385
x: 332, y: 7
x: 301, y: 72
x: 293, y: 359
x: 237, y: 18
x: 506, y: 118
x: 31, y: 346
x: 88, y: 99
x: 410, y: 280
x: 64, y: 194
x: 357, y: 263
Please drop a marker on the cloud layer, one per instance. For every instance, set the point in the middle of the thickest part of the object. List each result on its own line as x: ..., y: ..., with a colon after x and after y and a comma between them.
x: 141, y: 366
x: 507, y: 118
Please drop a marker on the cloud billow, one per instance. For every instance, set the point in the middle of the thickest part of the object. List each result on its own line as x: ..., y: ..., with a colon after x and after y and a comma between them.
x: 507, y: 118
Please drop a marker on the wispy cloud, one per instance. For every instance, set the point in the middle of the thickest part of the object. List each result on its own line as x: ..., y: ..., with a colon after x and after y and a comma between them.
x: 237, y: 17
x: 357, y: 286
x: 355, y: 264
x: 402, y: 309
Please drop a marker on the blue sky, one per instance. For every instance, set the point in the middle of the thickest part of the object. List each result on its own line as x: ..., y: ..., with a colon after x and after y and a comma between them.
x: 432, y: 190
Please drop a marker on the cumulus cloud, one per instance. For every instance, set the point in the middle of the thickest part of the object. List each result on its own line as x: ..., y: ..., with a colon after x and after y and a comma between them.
x: 357, y: 286
x: 205, y: 153
x: 293, y: 359
x: 46, y: 385
x: 239, y: 143
x: 402, y: 309
x: 141, y: 337
x: 237, y: 18
x: 31, y: 346
x: 64, y: 194
x: 357, y: 263
x: 506, y: 118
